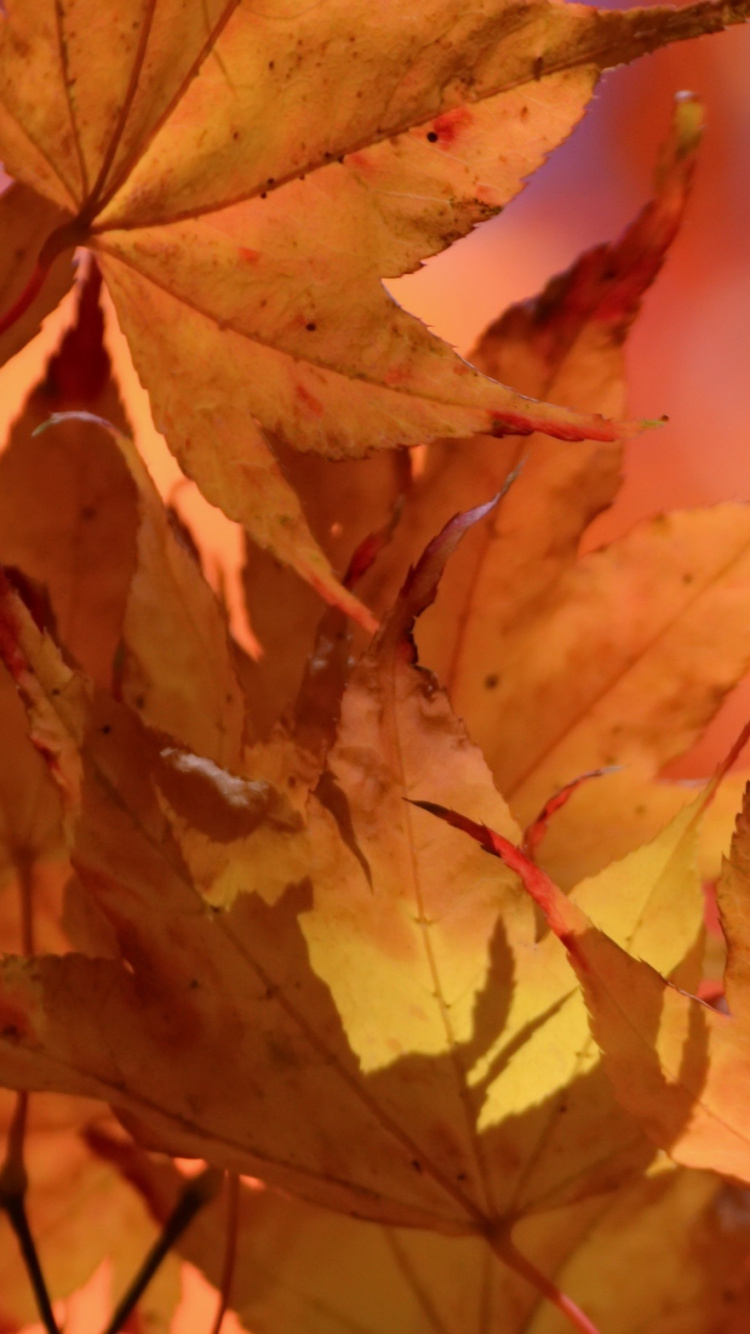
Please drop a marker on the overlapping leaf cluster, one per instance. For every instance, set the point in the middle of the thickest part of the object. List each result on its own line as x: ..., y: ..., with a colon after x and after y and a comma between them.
x: 231, y: 931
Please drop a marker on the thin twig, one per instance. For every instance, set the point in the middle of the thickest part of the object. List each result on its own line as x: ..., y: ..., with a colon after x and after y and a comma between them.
x: 15, y: 1209
x: 13, y: 1177
x: 195, y: 1195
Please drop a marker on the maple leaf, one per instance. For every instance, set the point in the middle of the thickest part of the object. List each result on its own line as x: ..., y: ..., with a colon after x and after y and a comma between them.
x: 199, y: 151
x: 523, y: 633
x: 299, y: 1267
x: 676, y: 1064
x: 126, y: 597
x: 559, y: 663
x: 364, y: 1017
x: 568, y: 342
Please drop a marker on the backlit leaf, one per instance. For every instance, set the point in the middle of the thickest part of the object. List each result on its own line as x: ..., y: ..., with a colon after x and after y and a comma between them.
x: 683, y: 1233
x: 247, y: 178
x: 678, y: 1066
x: 366, y: 1019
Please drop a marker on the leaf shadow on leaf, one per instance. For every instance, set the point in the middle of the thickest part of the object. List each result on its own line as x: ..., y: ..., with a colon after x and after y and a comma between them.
x: 525, y: 1155
x: 677, y: 1095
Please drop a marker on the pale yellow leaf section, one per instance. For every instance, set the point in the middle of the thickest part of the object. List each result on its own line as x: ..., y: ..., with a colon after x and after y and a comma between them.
x: 421, y: 908
x: 678, y: 1067
x: 652, y: 901
x: 625, y: 809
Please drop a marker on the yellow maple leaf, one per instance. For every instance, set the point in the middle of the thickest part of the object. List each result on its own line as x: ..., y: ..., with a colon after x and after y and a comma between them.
x: 198, y: 149
x: 678, y: 1066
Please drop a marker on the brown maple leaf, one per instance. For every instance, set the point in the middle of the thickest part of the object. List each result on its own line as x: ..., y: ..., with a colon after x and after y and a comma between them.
x: 340, y: 996
x: 300, y: 1267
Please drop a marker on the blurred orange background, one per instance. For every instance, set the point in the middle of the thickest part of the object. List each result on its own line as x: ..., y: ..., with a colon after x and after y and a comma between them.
x: 689, y: 355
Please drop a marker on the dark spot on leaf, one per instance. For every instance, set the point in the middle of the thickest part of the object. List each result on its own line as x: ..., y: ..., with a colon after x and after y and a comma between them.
x: 431, y: 135
x: 311, y: 326
x: 491, y: 681
x: 537, y: 67
x: 687, y: 578
x: 416, y: 1165
x: 106, y: 729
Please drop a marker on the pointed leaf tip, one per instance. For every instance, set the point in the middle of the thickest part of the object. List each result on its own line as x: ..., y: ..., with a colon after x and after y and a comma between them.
x: 535, y: 831
x: 421, y: 584
x: 562, y: 915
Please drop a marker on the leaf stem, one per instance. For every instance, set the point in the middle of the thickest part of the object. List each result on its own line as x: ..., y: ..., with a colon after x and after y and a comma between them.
x: 195, y: 1195
x: 30, y: 291
x: 504, y: 1249
x: 230, y: 1251
x: 13, y: 1176
x: 69, y: 234
x: 13, y: 1183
